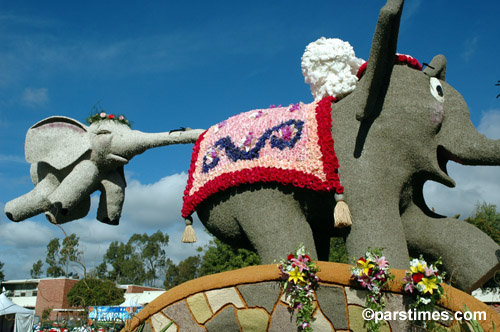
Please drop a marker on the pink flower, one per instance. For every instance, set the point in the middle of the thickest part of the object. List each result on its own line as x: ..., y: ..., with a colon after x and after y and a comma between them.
x: 103, y: 115
x: 382, y: 262
x: 428, y: 271
x: 409, y: 287
x: 121, y: 118
x: 300, y: 263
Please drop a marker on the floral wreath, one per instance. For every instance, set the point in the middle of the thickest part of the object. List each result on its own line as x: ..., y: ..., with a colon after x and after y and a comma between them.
x: 103, y: 116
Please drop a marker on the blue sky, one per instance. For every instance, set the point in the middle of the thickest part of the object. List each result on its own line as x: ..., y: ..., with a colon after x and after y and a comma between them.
x: 168, y: 64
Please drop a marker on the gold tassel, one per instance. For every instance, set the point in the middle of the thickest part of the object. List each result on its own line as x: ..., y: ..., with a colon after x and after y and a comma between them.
x: 189, y: 236
x: 341, y: 214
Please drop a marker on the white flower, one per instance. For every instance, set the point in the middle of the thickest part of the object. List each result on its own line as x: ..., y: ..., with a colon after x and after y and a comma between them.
x: 421, y: 287
x: 425, y: 300
x: 301, y: 251
x: 330, y: 67
x: 414, y: 262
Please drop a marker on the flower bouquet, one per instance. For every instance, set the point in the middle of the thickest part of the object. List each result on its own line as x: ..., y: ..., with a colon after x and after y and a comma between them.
x: 299, y: 280
x: 372, y: 272
x: 424, y: 280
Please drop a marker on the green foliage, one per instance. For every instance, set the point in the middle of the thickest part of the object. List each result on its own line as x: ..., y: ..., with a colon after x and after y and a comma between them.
x: 2, y: 276
x: 220, y: 257
x: 61, y: 258
x: 184, y: 271
x: 94, y: 292
x: 126, y: 264
x: 37, y: 270
x: 338, y: 251
x: 142, y: 260
x: 487, y: 219
x: 151, y: 249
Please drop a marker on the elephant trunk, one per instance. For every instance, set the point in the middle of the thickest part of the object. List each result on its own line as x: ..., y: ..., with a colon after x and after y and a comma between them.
x: 471, y: 148
x: 138, y: 142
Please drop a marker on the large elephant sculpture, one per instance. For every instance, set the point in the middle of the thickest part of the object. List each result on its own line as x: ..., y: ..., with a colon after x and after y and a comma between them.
x: 70, y: 161
x: 395, y: 131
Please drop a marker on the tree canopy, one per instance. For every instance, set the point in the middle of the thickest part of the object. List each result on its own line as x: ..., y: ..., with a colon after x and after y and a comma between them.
x: 2, y: 276
x: 61, y: 258
x: 94, y: 292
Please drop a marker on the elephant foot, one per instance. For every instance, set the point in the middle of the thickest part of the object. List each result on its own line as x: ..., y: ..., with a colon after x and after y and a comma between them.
x: 108, y: 221
x: 10, y: 216
x: 55, y: 210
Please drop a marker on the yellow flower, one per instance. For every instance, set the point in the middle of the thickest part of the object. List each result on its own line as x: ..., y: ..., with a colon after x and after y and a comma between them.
x: 429, y: 284
x: 365, y: 265
x: 296, y: 275
x: 417, y: 269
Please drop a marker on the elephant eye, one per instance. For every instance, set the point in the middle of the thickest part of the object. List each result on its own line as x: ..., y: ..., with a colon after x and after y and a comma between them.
x: 103, y: 132
x: 437, y: 89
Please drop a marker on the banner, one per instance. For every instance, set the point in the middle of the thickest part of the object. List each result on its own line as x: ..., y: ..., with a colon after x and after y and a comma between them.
x: 109, y: 314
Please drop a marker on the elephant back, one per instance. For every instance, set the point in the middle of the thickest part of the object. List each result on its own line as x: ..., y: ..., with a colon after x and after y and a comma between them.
x: 58, y: 141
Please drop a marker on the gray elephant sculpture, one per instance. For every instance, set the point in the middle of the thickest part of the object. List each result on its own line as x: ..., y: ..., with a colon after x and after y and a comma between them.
x: 70, y: 161
x: 395, y: 131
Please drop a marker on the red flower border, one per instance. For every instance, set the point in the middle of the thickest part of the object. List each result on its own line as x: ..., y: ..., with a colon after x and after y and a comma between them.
x: 400, y: 59
x: 270, y: 174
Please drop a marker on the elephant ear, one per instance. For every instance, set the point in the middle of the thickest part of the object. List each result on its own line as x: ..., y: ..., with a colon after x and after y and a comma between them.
x: 58, y: 141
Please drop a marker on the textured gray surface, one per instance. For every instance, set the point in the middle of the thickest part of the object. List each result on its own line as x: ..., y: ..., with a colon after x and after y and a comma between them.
x: 283, y: 320
x: 224, y: 321
x: 331, y: 300
x: 264, y: 294
x: 180, y: 314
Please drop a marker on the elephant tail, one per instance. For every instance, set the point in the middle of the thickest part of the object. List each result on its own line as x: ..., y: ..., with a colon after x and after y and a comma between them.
x: 341, y: 214
x: 189, y: 236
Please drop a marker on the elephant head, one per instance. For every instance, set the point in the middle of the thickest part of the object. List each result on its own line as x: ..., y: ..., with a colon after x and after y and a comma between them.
x: 69, y: 161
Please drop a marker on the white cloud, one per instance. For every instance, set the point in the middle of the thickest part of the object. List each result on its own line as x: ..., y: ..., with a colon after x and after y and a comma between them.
x: 35, y: 97
x: 490, y: 124
x: 147, y: 208
x: 470, y: 48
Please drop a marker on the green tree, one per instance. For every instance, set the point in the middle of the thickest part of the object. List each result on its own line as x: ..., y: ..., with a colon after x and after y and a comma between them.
x: 220, y: 257
x: 61, y: 258
x: 151, y: 249
x: 126, y: 264
x: 338, y: 251
x: 2, y: 276
x: 487, y: 219
x: 52, y: 259
x: 94, y: 292
x: 186, y: 270
x: 37, y: 270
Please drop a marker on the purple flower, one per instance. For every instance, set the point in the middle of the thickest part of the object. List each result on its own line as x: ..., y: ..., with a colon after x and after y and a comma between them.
x: 304, y: 325
x: 294, y: 107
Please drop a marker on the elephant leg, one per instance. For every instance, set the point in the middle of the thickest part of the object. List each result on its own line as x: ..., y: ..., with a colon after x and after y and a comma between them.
x: 78, y: 212
x: 79, y: 183
x: 33, y: 202
x: 469, y: 256
x: 273, y: 221
x: 112, y: 198
x: 377, y: 224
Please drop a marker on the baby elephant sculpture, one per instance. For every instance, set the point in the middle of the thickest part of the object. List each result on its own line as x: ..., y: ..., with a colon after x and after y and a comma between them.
x: 70, y: 161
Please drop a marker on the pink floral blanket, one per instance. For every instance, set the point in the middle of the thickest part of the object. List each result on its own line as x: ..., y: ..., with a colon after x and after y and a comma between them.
x: 290, y: 145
